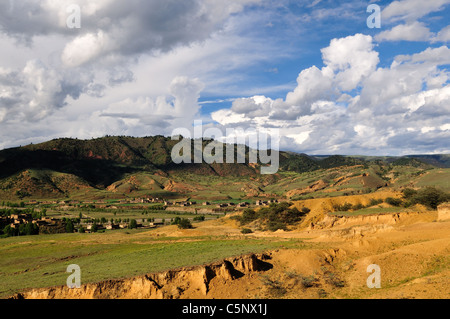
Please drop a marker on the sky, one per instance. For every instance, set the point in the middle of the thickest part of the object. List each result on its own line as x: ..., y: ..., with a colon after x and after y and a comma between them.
x: 316, y: 71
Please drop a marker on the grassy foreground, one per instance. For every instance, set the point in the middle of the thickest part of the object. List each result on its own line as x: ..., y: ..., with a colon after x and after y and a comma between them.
x: 41, y: 261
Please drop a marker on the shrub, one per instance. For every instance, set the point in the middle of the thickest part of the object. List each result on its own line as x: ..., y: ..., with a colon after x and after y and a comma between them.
x: 274, y: 226
x: 199, y: 218
x: 334, y: 280
x: 305, y: 210
x: 176, y: 221
x: 374, y: 202
x: 246, y: 231
x: 274, y: 286
x: 342, y: 208
x: 308, y: 281
x: 393, y: 201
x: 276, y: 216
x: 408, y: 193
x: 184, y: 224
x: 248, y: 216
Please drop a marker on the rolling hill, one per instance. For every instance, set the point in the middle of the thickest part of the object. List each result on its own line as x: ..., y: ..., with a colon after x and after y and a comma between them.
x: 128, y: 166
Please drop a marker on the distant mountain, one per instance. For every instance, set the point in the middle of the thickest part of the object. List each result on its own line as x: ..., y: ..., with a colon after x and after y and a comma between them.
x: 438, y: 160
x: 63, y: 166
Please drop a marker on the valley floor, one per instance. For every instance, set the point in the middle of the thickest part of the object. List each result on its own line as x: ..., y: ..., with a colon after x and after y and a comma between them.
x: 326, y: 261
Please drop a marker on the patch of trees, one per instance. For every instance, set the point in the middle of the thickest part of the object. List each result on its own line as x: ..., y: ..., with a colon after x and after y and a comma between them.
x: 430, y: 197
x: 274, y: 217
x: 12, y: 204
x: 23, y: 230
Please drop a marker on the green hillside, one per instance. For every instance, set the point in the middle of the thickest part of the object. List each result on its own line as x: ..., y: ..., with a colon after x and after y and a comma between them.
x: 120, y: 166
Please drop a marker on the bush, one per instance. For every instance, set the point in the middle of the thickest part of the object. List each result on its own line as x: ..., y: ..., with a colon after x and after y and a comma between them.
x: 246, y: 231
x: 308, y: 281
x: 274, y: 226
x: 184, y: 224
x: 408, y: 193
x: 374, y: 202
x: 276, y: 216
x: 393, y: 201
x: 248, y: 216
x: 342, y: 208
x: 305, y: 210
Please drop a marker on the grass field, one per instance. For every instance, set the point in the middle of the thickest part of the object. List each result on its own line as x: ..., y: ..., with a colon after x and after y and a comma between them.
x: 439, y: 178
x: 41, y: 261
x: 371, y: 211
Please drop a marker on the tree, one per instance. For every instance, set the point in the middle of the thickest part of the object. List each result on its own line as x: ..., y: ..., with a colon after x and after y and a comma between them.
x: 431, y: 197
x: 69, y: 226
x: 133, y: 224
x: 184, y: 224
x: 31, y: 229
x: 8, y: 231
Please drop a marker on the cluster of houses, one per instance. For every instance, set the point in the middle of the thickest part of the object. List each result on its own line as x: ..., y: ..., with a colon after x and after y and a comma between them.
x: 142, y: 201
x: 240, y: 205
x: 158, y: 200
x: 46, y: 223
x: 112, y: 226
x: 182, y: 203
x: 266, y: 203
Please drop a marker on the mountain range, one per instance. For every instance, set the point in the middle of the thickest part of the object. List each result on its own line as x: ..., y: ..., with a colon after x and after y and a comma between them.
x: 63, y: 166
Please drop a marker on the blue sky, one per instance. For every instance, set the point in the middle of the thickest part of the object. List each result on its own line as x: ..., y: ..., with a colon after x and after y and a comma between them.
x: 312, y: 69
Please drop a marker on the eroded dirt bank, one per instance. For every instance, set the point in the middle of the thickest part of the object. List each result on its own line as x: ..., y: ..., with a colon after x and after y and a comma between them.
x: 188, y: 282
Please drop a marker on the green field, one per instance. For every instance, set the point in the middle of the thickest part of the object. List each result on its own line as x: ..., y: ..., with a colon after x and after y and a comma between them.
x: 371, y: 211
x: 41, y: 261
